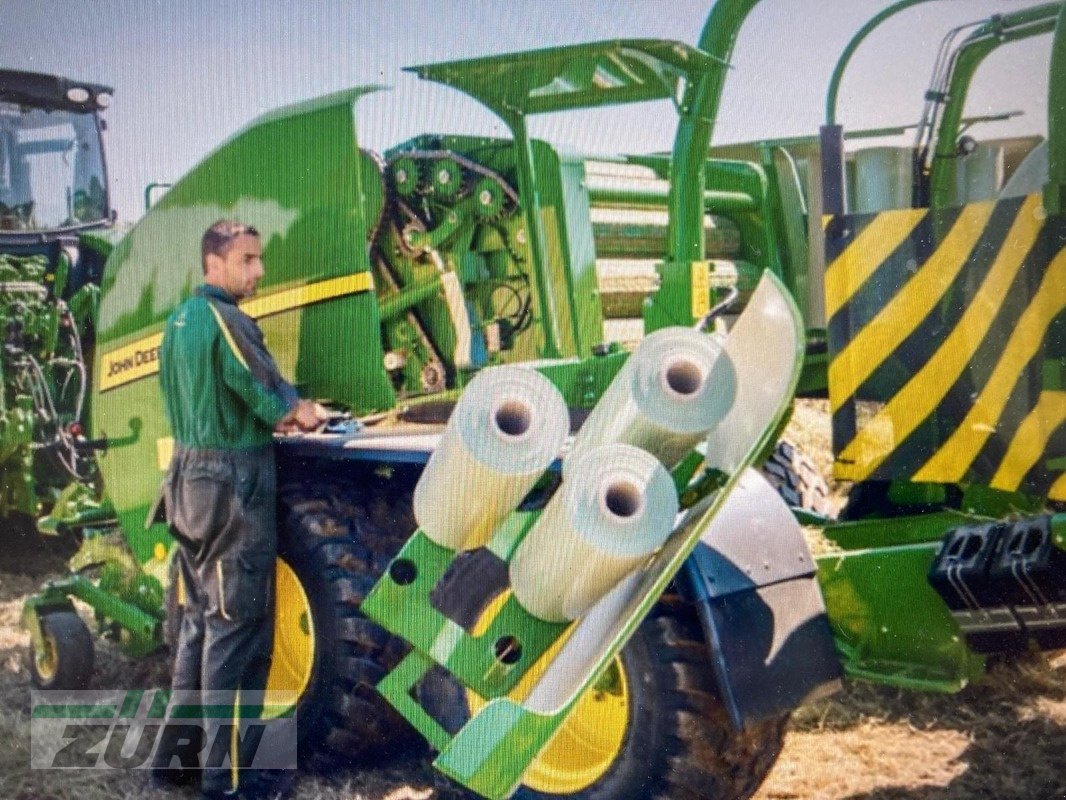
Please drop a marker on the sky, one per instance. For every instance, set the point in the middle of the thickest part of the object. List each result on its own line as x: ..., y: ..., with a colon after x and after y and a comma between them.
x: 189, y: 74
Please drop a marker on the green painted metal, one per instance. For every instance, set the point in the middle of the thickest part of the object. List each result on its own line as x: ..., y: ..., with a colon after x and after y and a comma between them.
x: 411, y: 296
x: 698, y: 111
x: 527, y: 185
x: 556, y: 79
x: 1003, y: 29
x: 150, y: 188
x: 405, y: 608
x: 890, y: 626
x: 1055, y: 192
x: 583, y: 382
x: 716, y: 201
x: 849, y: 51
x: 575, y: 76
x: 867, y: 534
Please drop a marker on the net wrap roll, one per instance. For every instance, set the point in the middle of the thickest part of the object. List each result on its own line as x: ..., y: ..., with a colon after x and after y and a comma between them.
x: 677, y: 385
x: 506, y: 429
x: 615, y: 508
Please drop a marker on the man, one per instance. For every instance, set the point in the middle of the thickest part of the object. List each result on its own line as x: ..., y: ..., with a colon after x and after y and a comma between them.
x: 224, y: 399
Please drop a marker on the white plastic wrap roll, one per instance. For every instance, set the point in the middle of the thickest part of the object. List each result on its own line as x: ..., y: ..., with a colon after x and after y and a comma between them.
x: 674, y: 388
x: 615, y: 508
x: 507, y: 427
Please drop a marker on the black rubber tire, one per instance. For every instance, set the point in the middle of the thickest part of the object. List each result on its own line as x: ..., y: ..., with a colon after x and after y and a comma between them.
x: 797, y: 479
x: 72, y: 648
x: 338, y: 537
x: 679, y: 743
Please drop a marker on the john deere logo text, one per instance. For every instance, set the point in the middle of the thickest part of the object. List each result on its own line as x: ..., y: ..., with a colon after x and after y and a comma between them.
x: 137, y: 360
x: 142, y: 729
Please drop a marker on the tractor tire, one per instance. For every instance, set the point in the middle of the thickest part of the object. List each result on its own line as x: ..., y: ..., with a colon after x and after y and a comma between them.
x: 67, y: 661
x: 797, y: 479
x: 335, y: 541
x: 653, y: 728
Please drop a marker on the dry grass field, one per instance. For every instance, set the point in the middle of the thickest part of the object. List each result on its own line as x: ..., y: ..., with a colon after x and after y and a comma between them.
x: 1004, y: 739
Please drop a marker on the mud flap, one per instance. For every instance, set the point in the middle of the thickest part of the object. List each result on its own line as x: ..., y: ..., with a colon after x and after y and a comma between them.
x: 754, y: 585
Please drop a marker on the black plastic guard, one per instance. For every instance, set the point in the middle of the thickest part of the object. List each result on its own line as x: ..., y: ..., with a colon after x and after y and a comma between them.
x: 754, y: 585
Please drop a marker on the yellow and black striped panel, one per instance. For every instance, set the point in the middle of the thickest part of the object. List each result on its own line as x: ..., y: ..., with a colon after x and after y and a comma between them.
x: 947, y: 338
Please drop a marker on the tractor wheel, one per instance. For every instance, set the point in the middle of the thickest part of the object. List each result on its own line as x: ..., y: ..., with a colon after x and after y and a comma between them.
x: 66, y: 662
x: 335, y: 540
x: 797, y: 479
x: 652, y: 728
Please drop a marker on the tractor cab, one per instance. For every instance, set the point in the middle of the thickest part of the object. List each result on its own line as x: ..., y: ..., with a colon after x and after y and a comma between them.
x: 52, y: 173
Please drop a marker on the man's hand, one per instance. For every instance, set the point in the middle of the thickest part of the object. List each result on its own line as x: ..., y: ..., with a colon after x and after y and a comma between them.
x: 306, y: 416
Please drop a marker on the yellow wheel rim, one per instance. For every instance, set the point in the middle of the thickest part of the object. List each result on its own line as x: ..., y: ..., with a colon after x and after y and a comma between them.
x: 589, y: 741
x: 294, y: 642
x: 46, y: 660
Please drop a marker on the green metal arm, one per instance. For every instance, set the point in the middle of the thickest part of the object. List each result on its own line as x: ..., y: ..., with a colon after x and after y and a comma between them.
x: 977, y: 46
x: 699, y: 109
x: 849, y: 51
x: 1055, y: 192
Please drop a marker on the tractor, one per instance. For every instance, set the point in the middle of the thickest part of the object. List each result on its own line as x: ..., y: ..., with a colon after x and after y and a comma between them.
x: 920, y: 288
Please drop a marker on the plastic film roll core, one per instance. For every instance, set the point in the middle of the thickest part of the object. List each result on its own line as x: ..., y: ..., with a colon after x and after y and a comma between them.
x: 675, y: 388
x: 506, y: 429
x: 615, y: 508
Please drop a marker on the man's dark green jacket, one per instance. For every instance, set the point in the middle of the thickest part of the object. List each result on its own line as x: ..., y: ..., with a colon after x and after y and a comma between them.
x: 221, y: 388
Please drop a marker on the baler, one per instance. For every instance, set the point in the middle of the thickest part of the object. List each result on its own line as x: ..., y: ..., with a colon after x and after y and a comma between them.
x: 397, y: 281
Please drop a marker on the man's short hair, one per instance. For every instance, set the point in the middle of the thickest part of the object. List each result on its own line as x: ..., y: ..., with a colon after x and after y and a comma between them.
x: 218, y: 238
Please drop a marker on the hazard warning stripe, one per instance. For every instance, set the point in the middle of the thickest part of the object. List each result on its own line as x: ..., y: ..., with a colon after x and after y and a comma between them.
x: 1031, y: 440
x: 907, y: 308
x: 952, y: 459
x: 887, y: 373
x: 840, y: 232
x: 978, y: 326
x: 865, y: 252
x: 954, y: 351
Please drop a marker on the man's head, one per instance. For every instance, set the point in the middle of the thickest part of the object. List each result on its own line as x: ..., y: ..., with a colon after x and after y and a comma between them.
x: 232, y: 257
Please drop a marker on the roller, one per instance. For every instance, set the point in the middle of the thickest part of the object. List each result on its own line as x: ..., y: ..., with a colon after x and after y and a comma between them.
x: 507, y: 428
x: 674, y: 388
x: 612, y: 512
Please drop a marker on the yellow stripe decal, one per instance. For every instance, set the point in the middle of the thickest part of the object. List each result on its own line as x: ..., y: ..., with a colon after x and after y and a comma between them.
x: 140, y: 359
x: 1058, y: 489
x: 700, y: 282
x: 1030, y: 440
x: 950, y: 463
x: 906, y: 310
x: 288, y: 299
x: 228, y: 336
x: 860, y: 259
